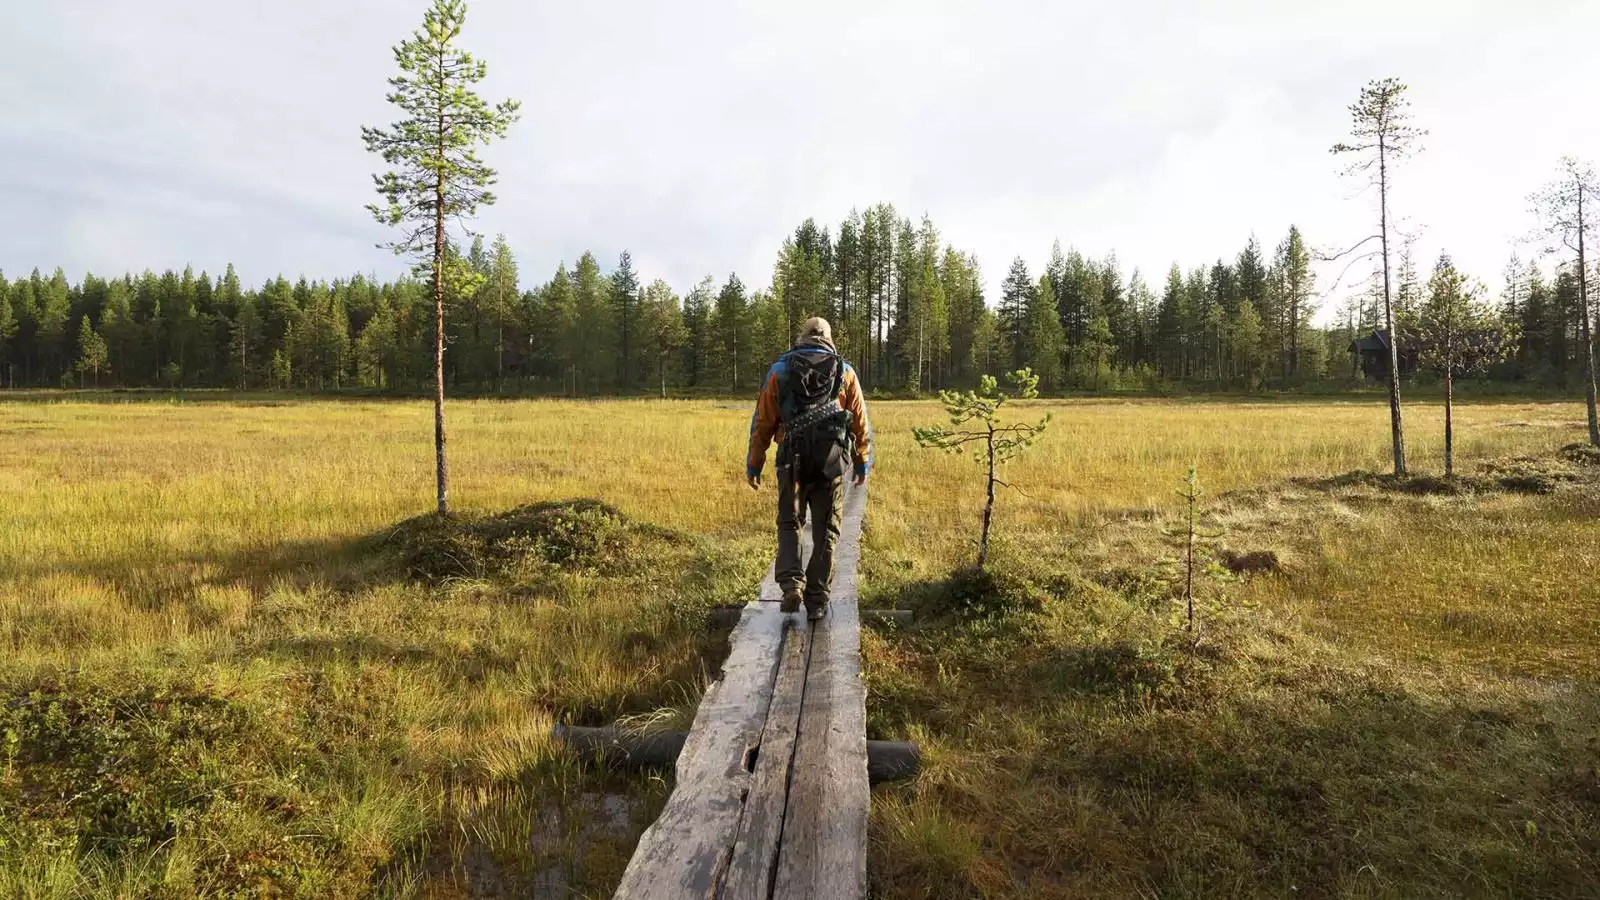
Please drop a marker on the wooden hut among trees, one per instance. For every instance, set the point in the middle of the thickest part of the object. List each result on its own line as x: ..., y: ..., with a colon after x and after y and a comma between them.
x: 1373, y: 355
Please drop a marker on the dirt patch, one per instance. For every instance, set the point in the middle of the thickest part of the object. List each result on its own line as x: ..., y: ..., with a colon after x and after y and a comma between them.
x: 1254, y: 562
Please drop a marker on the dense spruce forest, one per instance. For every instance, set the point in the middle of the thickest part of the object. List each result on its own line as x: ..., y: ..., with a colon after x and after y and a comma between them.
x: 909, y: 310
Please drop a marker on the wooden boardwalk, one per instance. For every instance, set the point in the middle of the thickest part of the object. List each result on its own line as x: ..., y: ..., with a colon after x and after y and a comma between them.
x: 771, y: 794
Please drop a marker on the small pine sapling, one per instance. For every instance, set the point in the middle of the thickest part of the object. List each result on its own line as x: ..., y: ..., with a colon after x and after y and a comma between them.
x: 1460, y: 335
x: 975, y: 419
x: 1192, y: 535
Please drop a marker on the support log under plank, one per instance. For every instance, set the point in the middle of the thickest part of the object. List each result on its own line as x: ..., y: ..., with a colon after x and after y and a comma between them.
x: 611, y: 745
x: 728, y: 616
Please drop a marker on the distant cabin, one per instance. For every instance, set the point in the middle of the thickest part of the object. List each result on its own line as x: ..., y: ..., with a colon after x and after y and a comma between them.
x: 1373, y: 353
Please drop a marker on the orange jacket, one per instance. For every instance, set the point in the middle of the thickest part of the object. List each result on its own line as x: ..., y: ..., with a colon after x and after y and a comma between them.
x: 765, y: 427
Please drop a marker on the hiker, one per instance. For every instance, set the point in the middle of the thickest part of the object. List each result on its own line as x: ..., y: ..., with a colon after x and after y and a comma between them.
x: 811, y: 403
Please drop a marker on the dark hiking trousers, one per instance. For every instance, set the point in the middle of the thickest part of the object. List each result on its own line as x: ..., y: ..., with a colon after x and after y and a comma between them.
x: 824, y: 504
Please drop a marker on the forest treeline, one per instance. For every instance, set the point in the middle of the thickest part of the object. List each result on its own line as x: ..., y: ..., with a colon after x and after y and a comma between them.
x: 908, y: 308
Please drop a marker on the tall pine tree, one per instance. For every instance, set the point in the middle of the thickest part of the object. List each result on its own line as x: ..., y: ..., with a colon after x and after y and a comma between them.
x: 437, y: 176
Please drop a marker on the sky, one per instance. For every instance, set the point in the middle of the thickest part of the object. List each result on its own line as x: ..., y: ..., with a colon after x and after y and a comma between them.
x: 696, y: 135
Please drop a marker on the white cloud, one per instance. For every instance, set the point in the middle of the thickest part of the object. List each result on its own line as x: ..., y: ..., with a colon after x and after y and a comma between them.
x: 698, y: 134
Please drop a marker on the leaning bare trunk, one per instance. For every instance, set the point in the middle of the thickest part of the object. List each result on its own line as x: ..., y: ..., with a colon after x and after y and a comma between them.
x: 1396, y: 425
x: 988, y: 507
x: 1449, y: 426
x: 438, y: 350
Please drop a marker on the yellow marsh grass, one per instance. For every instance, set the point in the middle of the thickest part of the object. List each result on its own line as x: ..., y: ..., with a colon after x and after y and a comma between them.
x: 132, y: 524
x: 116, y: 490
x: 1507, y: 584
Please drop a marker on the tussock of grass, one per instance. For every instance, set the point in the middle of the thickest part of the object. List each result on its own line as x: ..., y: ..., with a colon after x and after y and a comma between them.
x: 1582, y: 454
x: 575, y: 534
x: 1520, y: 475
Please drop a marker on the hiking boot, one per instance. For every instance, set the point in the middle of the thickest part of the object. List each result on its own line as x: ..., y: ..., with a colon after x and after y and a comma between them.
x: 791, y: 601
x: 814, y: 612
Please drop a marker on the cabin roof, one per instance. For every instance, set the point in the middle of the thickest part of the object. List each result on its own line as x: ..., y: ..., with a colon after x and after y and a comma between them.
x: 1376, y: 342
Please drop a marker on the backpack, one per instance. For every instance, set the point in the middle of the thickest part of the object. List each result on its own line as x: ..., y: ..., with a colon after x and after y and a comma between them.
x: 816, y: 429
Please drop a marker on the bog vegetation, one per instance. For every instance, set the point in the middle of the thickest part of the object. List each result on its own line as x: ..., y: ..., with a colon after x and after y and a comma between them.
x: 239, y: 660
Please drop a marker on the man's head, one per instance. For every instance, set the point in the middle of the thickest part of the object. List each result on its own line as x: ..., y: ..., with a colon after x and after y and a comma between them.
x: 816, y: 329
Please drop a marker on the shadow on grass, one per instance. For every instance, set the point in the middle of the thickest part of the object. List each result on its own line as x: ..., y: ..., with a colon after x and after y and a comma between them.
x: 472, y: 664
x: 1275, y: 777
x: 1324, y: 776
x: 582, y: 534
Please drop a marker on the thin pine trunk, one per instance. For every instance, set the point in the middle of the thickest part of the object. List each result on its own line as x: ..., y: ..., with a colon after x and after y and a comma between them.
x: 1396, y: 425
x: 988, y: 506
x: 1188, y: 562
x: 1586, y: 335
x: 1294, y: 339
x: 442, y: 475
x: 1449, y: 425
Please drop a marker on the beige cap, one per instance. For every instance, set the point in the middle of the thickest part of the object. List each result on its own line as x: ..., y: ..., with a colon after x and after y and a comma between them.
x: 816, y: 326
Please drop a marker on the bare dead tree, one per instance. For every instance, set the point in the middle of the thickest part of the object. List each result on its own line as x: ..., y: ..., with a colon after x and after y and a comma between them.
x: 1565, y: 208
x: 1382, y: 136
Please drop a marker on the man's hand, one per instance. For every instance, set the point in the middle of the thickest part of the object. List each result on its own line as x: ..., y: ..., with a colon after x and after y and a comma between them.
x: 861, y: 475
x: 755, y: 481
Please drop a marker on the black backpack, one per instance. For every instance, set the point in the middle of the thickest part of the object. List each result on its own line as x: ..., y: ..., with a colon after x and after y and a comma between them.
x: 816, y: 429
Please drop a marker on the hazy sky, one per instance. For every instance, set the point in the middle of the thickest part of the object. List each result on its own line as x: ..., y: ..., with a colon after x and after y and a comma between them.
x: 156, y: 133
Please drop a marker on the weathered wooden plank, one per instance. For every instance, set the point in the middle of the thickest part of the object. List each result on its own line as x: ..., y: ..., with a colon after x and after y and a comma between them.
x: 823, y: 853
x: 755, y: 854
x: 685, y: 852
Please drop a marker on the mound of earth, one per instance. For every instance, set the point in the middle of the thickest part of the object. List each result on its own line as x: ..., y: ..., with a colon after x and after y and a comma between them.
x: 1573, y: 465
x: 571, y: 534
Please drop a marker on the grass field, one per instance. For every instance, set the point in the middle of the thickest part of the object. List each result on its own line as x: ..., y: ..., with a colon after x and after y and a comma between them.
x: 227, y: 673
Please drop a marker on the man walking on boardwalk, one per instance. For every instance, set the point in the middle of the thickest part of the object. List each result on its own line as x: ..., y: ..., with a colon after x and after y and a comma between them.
x: 812, y: 405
